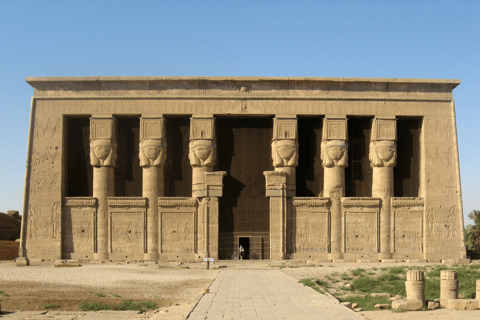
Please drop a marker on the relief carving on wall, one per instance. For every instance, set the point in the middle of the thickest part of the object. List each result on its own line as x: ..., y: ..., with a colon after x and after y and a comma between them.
x: 438, y: 130
x: 178, y: 229
x: 46, y: 128
x: 312, y: 232
x: 442, y: 185
x: 361, y: 232
x: 440, y: 156
x: 127, y: 231
x: 78, y: 229
x: 44, y: 222
x: 408, y: 230
x: 442, y: 222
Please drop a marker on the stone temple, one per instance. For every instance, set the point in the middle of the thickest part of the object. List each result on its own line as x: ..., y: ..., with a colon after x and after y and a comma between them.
x: 182, y: 168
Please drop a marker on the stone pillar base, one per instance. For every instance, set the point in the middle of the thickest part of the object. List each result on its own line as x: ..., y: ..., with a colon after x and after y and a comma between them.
x: 101, y: 256
x: 152, y: 256
x: 335, y: 256
x: 22, y: 262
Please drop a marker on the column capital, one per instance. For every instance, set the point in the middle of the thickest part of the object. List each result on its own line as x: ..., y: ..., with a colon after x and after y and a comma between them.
x: 383, y: 146
x: 334, y: 143
x: 285, y: 142
x: 153, y: 149
x: 103, y: 147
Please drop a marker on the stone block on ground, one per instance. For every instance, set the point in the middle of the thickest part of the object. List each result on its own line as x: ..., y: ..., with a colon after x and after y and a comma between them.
x: 382, y: 294
x: 346, y: 304
x: 462, y: 304
x: 432, y: 305
x: 22, y: 262
x: 358, y: 309
x: 382, y: 306
x: 354, y: 305
x: 407, y: 305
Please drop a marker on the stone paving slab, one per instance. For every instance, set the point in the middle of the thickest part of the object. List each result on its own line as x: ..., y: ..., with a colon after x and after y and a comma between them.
x: 265, y: 294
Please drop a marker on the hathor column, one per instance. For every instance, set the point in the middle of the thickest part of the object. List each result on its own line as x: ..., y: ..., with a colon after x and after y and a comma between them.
x: 285, y: 161
x: 334, y: 160
x: 202, y: 151
x: 383, y: 157
x: 152, y: 159
x: 103, y: 153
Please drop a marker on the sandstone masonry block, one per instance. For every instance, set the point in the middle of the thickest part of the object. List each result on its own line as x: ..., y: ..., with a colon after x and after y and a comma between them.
x: 432, y: 305
x: 407, y: 305
x: 462, y: 304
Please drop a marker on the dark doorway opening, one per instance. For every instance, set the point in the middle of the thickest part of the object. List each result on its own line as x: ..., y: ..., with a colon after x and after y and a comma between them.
x: 79, y: 172
x: 245, y: 243
x: 358, y: 174
x: 244, y: 152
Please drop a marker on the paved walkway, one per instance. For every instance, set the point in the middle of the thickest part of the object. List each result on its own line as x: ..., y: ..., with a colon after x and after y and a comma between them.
x: 265, y: 294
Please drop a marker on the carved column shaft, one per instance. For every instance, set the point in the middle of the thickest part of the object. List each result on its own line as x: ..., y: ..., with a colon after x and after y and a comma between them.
x: 152, y: 159
x: 334, y: 160
x: 103, y: 153
x: 383, y: 157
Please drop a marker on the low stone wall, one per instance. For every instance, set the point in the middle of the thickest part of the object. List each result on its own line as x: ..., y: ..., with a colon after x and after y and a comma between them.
x: 8, y: 249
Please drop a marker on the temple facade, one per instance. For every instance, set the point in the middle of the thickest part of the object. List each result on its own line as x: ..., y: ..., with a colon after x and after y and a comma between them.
x: 183, y: 168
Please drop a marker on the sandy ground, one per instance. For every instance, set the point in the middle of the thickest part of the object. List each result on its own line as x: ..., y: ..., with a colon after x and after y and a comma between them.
x: 172, y: 286
x: 31, y: 288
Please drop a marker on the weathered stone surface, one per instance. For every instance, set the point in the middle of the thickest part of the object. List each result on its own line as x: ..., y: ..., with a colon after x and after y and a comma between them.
x: 407, y: 305
x: 358, y: 309
x: 354, y: 305
x: 123, y: 220
x: 346, y: 304
x: 22, y: 262
x: 432, y: 305
x: 384, y: 294
x: 382, y: 306
x: 462, y: 304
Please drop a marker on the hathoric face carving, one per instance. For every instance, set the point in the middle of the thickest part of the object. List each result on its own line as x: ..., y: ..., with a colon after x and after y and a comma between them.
x: 102, y: 153
x: 202, y: 153
x: 285, y: 153
x: 152, y: 153
x: 334, y: 153
x: 383, y: 153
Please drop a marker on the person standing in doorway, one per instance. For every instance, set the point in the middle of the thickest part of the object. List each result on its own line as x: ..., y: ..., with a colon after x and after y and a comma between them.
x: 240, y: 252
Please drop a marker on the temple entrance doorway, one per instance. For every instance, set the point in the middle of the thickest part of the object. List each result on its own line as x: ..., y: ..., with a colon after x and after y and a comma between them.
x: 244, y: 152
x: 244, y: 242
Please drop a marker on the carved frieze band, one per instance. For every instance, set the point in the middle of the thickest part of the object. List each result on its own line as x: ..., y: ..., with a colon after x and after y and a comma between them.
x: 127, y: 201
x: 361, y: 202
x: 408, y: 202
x: 177, y: 202
x: 80, y: 201
x: 311, y: 202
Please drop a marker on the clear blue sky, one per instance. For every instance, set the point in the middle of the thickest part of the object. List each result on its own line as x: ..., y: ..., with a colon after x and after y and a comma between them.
x: 391, y: 39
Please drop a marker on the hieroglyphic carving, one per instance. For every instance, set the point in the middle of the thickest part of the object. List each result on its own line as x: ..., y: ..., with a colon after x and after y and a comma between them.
x: 361, y: 202
x: 178, y: 232
x: 440, y: 156
x: 79, y: 201
x: 407, y: 202
x: 127, y: 231
x: 44, y: 181
x: 310, y: 202
x: 312, y: 234
x: 442, y: 185
x: 335, y: 129
x: 49, y: 155
x: 44, y: 222
x: 202, y: 129
x: 442, y: 222
x: 127, y: 201
x: 408, y: 231
x: 438, y: 130
x: 361, y: 232
x: 79, y: 230
x: 46, y: 128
